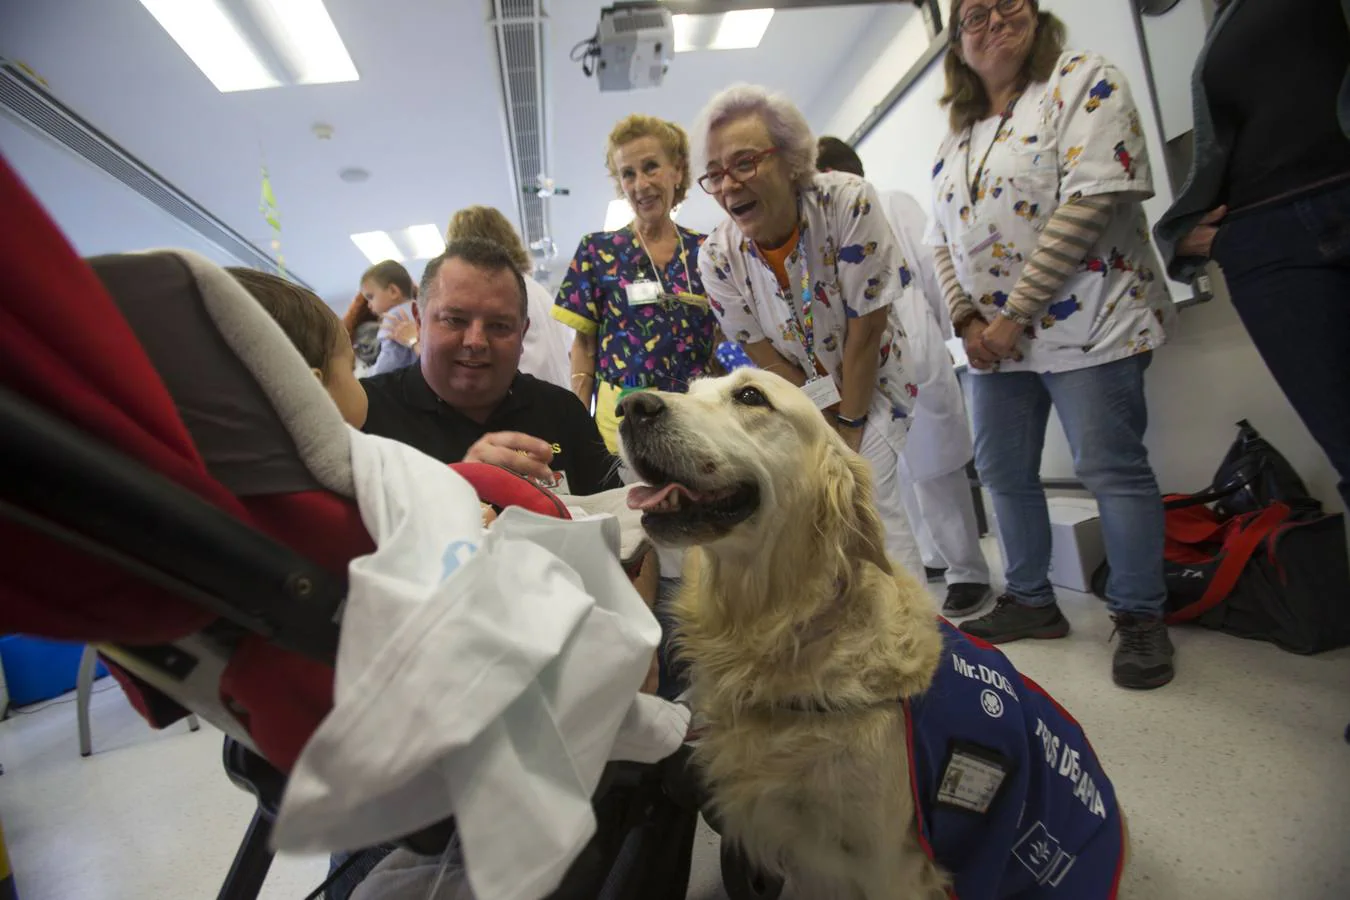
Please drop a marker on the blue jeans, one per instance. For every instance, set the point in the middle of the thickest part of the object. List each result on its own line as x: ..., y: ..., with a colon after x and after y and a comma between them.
x: 1288, y: 270
x: 1104, y: 416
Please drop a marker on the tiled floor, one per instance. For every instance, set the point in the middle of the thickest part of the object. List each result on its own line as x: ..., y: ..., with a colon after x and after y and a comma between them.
x: 1236, y: 779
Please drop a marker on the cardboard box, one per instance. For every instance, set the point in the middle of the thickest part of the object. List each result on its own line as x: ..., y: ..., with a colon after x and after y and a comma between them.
x: 1076, y: 548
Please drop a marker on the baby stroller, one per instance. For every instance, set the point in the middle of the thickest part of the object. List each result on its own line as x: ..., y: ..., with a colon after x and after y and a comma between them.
x: 162, y: 500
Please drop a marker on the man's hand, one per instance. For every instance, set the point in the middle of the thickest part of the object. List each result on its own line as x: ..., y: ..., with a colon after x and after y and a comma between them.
x: 1199, y: 241
x: 1000, y: 337
x: 521, y: 453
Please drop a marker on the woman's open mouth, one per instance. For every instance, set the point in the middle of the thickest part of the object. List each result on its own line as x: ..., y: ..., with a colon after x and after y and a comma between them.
x: 742, y: 209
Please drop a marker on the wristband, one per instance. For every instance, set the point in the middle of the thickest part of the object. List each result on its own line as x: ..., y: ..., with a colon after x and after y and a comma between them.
x: 848, y: 422
x: 1012, y: 315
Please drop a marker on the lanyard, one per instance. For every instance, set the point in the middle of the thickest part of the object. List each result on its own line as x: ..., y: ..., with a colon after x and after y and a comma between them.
x: 684, y: 261
x: 974, y: 183
x: 806, y: 318
x: 808, y: 315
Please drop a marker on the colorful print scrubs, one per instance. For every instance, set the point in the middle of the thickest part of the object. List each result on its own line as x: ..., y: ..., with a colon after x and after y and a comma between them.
x: 1077, y: 135
x: 660, y: 345
x: 848, y: 262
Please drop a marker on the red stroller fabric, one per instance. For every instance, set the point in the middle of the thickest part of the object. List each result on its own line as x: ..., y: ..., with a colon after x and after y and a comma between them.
x: 66, y: 347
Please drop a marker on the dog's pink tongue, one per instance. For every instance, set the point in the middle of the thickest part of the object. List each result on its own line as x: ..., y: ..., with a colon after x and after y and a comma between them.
x: 644, y: 496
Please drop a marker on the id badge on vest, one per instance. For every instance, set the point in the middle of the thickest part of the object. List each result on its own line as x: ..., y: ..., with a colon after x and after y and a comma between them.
x: 643, y: 293
x: 982, y: 234
x: 823, y: 392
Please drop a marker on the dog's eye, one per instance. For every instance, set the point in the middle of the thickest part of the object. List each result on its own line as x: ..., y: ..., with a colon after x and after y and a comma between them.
x: 750, y: 396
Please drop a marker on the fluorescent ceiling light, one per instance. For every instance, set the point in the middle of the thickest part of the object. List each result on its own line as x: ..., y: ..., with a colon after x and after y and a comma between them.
x: 426, y: 241
x: 690, y: 31
x: 377, y: 246
x: 618, y: 214
x: 213, y: 43
x: 739, y: 30
x: 305, y: 36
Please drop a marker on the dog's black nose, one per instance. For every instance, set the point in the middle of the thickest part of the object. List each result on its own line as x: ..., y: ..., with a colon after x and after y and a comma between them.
x: 641, y: 406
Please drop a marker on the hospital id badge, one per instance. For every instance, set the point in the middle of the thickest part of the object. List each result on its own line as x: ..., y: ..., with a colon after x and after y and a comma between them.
x: 822, y: 391
x: 981, y: 235
x: 643, y: 293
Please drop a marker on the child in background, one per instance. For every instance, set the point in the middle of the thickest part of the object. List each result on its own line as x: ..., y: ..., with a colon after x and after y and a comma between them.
x: 319, y: 335
x: 389, y: 293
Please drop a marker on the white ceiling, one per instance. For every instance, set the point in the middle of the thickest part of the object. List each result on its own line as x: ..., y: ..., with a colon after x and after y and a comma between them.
x: 424, y: 119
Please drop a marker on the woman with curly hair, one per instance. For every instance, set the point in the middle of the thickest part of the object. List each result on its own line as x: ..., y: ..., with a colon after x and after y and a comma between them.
x: 634, y: 295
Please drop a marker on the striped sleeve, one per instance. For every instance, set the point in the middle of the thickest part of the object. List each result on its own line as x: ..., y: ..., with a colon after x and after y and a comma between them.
x: 1064, y: 243
x: 958, y: 301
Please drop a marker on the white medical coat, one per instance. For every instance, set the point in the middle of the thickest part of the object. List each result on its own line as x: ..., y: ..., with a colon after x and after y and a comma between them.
x: 548, y: 342
x: 939, y: 436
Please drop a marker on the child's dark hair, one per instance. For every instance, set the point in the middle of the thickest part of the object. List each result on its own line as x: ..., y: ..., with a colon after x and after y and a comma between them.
x: 390, y: 272
x: 312, y: 326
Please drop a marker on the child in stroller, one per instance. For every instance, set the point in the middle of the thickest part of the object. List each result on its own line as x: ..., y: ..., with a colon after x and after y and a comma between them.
x: 210, y: 580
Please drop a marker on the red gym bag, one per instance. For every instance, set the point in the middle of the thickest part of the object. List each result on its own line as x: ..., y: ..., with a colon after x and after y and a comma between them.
x: 1256, y: 557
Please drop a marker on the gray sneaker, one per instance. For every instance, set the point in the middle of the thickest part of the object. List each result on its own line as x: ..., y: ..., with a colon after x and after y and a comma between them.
x: 1143, y: 658
x: 1012, y: 621
x: 965, y: 597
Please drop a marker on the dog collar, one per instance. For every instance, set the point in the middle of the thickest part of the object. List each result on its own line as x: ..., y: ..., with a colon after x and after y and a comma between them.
x: 815, y: 706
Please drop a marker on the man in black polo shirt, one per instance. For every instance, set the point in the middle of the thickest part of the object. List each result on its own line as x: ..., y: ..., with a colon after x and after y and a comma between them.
x: 466, y: 401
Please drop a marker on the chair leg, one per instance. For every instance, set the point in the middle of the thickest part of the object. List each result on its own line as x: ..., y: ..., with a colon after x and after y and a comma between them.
x: 84, y: 686
x: 251, y: 862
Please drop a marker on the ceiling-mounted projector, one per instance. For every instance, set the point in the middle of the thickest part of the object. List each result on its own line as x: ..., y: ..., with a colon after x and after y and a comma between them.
x: 631, y: 49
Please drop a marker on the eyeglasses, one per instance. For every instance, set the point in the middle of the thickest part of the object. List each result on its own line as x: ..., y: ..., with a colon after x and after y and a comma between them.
x: 741, y: 171
x: 977, y: 19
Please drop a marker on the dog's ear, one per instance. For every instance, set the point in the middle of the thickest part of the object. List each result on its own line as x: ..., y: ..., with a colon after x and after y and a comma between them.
x: 847, y: 515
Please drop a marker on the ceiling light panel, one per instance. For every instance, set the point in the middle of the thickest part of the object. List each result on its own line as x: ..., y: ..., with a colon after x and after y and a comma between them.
x: 739, y: 30
x: 426, y: 241
x: 306, y: 38
x: 617, y: 214
x: 377, y: 246
x: 214, y: 44
x: 742, y: 29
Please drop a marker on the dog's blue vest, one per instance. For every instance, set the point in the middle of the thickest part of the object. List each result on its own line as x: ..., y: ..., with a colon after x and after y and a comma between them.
x: 1011, y: 799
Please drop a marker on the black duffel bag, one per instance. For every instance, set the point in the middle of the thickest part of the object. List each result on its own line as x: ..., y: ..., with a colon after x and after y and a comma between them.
x: 1255, y: 556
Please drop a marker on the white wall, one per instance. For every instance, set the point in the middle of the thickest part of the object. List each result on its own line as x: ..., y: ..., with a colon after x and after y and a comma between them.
x: 97, y: 213
x: 897, y: 37
x: 1209, y: 375
x: 1174, y: 41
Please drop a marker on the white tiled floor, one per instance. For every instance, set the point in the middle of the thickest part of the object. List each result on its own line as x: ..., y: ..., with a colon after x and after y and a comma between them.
x: 1236, y: 779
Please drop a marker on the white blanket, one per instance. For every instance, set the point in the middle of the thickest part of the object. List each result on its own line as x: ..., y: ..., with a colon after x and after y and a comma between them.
x: 487, y: 675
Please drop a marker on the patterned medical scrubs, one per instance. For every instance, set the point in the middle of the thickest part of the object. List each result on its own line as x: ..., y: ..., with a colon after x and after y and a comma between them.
x: 660, y: 345
x: 1076, y: 135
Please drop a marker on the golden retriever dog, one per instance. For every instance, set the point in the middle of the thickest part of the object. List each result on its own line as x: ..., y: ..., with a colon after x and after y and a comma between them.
x: 824, y: 679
